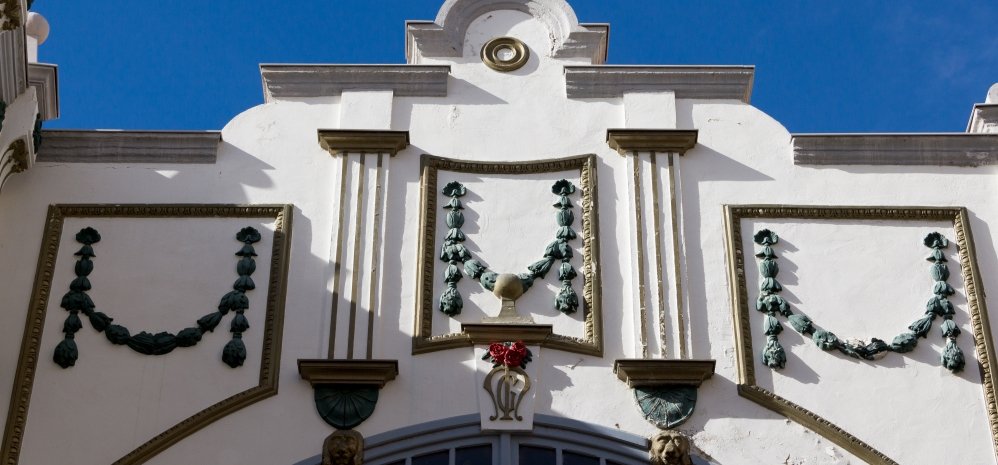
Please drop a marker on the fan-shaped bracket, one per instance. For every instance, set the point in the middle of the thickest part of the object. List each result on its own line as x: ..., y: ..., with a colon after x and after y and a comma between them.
x: 664, y: 390
x: 346, y: 391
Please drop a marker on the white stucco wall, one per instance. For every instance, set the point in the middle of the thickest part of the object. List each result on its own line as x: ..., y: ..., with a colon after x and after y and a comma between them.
x: 270, y: 155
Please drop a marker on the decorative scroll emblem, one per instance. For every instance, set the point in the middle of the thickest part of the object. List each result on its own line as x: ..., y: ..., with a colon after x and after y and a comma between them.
x: 77, y: 301
x: 772, y: 304
x: 507, y: 383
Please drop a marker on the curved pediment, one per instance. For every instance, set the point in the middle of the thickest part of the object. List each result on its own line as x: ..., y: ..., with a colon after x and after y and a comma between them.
x: 445, y: 36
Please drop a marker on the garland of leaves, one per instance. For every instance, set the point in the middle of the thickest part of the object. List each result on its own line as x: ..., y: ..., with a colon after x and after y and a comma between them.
x: 76, y: 301
x: 453, y: 252
x: 771, y: 304
x: 36, y: 132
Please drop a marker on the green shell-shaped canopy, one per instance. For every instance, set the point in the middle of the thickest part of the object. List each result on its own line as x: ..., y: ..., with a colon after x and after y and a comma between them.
x: 666, y: 406
x: 345, y: 407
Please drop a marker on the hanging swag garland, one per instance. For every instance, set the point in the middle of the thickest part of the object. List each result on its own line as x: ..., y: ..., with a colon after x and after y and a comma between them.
x: 76, y: 301
x: 454, y: 252
x: 771, y: 304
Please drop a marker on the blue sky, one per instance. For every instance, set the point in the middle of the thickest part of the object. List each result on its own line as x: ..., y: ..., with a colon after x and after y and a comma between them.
x: 829, y: 66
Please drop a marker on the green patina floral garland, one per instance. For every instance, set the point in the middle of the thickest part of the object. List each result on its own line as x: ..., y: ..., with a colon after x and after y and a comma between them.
x: 76, y: 301
x: 453, y: 252
x: 771, y: 304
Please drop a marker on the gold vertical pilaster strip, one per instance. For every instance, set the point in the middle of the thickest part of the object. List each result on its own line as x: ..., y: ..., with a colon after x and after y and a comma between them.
x: 680, y: 321
x: 337, y: 259
x: 354, y: 273
x: 375, y: 253
x: 657, y: 218
x: 639, y: 223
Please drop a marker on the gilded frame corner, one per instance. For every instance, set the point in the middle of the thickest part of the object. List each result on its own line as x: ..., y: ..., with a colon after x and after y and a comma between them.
x: 423, y: 340
x: 977, y: 307
x: 41, y: 292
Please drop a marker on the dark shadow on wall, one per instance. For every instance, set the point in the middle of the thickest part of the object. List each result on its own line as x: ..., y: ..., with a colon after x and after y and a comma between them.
x: 705, y: 165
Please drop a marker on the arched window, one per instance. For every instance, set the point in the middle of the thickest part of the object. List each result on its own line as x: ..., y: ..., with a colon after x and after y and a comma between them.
x: 460, y: 441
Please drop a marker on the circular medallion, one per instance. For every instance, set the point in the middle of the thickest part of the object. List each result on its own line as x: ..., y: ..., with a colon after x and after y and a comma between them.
x: 505, y: 54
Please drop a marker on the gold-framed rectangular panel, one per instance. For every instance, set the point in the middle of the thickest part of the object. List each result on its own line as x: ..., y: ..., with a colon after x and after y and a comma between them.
x: 423, y: 340
x: 747, y: 387
x: 41, y: 292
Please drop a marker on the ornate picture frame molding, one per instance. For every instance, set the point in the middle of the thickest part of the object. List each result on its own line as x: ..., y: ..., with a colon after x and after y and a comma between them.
x: 977, y: 308
x: 41, y: 293
x: 423, y: 340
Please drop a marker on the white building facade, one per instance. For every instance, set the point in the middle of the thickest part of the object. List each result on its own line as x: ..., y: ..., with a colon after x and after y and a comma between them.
x: 502, y: 252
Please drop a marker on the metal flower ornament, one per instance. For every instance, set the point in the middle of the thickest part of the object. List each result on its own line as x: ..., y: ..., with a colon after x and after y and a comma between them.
x: 508, y: 287
x: 507, y: 383
x: 771, y: 304
x: 77, y: 301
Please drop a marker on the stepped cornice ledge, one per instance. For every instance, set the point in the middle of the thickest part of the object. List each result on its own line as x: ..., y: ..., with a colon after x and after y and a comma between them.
x: 303, y: 81
x: 933, y: 149
x: 984, y: 118
x: 688, y: 82
x: 103, y: 146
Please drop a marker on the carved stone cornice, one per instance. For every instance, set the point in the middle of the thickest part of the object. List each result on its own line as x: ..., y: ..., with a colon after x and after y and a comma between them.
x: 487, y: 333
x: 629, y: 141
x: 93, y: 146
x: 304, y: 81
x: 338, y: 141
x: 688, y: 82
x: 984, y: 119
x: 348, y: 372
x: 945, y: 149
x: 658, y: 372
x: 45, y: 79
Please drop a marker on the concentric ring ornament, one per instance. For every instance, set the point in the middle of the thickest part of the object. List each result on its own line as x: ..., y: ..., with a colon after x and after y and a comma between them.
x: 495, y: 51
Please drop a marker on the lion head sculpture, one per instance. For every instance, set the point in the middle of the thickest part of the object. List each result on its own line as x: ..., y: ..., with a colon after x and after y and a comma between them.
x: 670, y: 448
x: 343, y: 448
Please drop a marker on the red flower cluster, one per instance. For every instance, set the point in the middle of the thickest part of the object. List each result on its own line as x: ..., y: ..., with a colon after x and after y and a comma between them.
x: 511, y: 354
